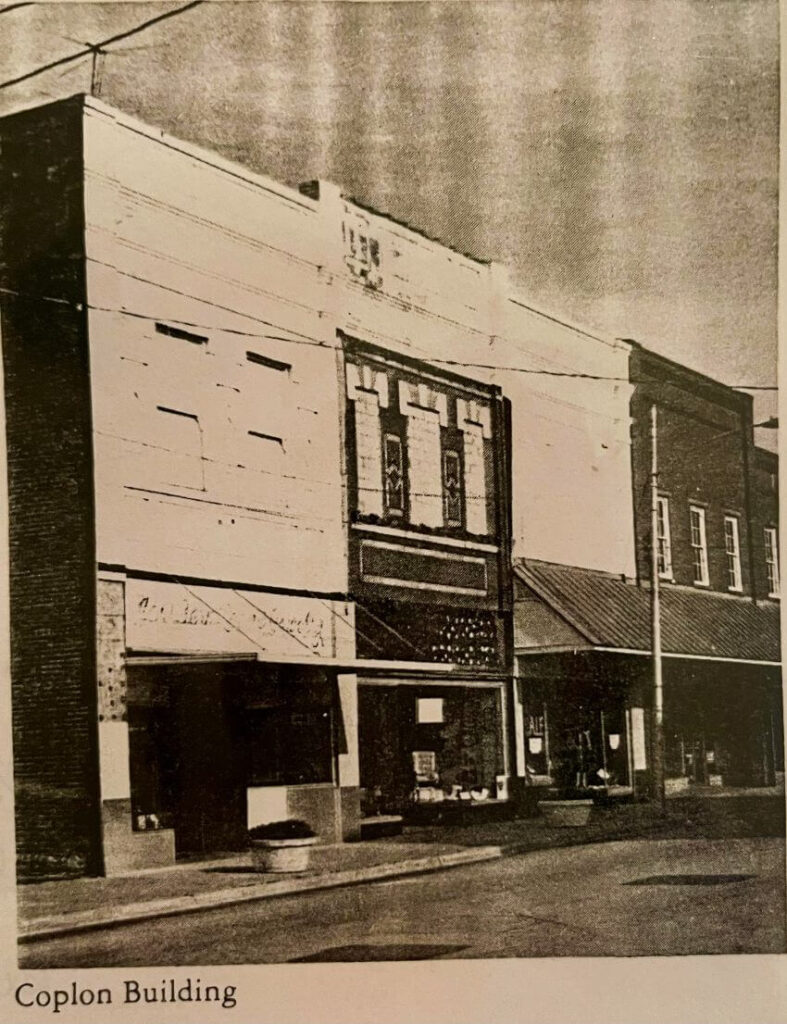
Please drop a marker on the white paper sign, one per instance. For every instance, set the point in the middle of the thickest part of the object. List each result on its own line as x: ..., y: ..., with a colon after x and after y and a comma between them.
x: 638, y: 739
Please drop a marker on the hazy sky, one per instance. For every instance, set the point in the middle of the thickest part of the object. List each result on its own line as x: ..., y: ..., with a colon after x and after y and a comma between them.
x: 620, y: 155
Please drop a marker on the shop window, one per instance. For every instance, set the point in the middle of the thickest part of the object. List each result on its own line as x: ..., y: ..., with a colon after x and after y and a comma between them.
x: 699, y: 545
x: 772, y: 560
x: 290, y: 746
x: 664, y: 539
x: 733, y: 552
x: 151, y: 785
x: 394, y: 475
x: 461, y: 753
x: 452, y: 488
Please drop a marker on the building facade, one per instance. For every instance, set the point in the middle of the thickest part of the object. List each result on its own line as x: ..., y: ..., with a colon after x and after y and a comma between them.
x: 270, y: 455
x: 429, y: 557
x: 190, y: 541
x: 584, y: 639
x: 182, y: 640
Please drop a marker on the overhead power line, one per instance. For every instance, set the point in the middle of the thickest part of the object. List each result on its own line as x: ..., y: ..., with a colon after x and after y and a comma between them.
x: 93, y: 48
x: 316, y: 343
x: 15, y: 7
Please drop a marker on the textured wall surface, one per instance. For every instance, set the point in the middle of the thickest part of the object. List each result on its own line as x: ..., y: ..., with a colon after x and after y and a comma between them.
x: 52, y: 567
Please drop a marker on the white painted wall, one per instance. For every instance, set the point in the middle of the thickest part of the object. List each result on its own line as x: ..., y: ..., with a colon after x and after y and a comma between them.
x: 179, y: 237
x: 571, y: 442
x: 571, y: 460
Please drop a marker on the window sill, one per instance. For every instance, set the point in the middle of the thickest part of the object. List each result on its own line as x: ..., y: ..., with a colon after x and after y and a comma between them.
x: 703, y: 584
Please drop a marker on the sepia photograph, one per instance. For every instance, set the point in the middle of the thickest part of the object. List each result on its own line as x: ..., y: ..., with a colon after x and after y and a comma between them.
x: 391, y: 459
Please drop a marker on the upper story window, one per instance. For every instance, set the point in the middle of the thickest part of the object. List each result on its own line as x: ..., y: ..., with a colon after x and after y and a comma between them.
x: 452, y: 487
x: 393, y: 470
x: 772, y: 560
x: 663, y: 539
x: 732, y: 548
x: 414, y: 463
x: 699, y: 545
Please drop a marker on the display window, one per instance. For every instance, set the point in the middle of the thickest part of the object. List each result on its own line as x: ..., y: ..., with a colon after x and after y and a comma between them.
x: 288, y: 746
x: 429, y: 744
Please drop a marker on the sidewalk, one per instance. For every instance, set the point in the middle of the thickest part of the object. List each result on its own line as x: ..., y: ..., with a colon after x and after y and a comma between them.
x: 54, y: 908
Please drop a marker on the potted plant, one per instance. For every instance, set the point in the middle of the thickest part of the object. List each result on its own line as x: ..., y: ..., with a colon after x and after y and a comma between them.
x: 281, y: 845
x: 571, y: 804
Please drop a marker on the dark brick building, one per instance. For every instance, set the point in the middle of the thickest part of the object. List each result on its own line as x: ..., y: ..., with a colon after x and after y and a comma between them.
x: 584, y: 638
x: 429, y: 567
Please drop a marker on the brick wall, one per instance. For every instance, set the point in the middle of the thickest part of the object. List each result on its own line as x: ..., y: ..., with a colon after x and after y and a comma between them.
x: 52, y: 567
x: 704, y: 458
x: 765, y: 512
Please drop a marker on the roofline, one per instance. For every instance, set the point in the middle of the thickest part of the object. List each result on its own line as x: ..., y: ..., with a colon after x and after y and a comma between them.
x: 90, y: 104
x: 683, y: 368
x: 384, y: 215
x: 616, y: 343
x: 358, y: 346
x: 520, y: 571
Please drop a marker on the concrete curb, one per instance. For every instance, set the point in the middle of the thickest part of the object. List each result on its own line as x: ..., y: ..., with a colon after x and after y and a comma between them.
x: 132, y: 913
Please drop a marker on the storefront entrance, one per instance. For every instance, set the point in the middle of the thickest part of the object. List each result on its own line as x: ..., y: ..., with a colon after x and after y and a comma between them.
x: 186, y: 752
x: 203, y: 738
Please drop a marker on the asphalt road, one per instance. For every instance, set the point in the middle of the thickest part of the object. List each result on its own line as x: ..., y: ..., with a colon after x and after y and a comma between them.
x: 612, y: 899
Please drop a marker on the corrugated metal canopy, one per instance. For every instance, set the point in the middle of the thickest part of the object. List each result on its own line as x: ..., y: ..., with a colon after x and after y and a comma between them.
x: 612, y: 612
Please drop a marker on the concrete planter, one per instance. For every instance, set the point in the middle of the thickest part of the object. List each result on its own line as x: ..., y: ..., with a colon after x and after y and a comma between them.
x: 566, y: 813
x: 281, y: 855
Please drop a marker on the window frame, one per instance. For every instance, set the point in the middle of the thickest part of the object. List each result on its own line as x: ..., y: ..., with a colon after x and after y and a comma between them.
x: 700, y: 548
x: 458, y: 521
x: 734, y: 570
x: 390, y: 511
x: 771, y: 539
x: 664, y: 539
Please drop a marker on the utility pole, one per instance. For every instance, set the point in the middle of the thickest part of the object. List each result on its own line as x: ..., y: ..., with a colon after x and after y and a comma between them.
x: 657, y: 720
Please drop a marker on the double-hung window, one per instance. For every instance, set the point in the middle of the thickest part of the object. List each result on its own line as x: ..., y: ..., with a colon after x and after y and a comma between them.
x: 663, y: 539
x: 699, y: 545
x: 772, y: 560
x: 732, y: 548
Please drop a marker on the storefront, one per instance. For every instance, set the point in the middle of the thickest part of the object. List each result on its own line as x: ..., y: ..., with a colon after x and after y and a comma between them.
x: 221, y: 709
x: 581, y: 720
x: 585, y: 684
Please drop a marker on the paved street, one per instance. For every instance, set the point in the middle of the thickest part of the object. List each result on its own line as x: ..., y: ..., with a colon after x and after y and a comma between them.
x: 617, y: 899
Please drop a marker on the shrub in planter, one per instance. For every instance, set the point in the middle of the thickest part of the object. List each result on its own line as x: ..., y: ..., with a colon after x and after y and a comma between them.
x: 281, y: 846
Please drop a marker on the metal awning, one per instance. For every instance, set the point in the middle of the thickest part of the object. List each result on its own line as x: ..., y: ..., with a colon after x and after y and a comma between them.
x: 561, y: 608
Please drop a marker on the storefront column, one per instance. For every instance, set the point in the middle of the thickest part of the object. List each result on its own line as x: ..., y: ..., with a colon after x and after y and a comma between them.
x: 348, y: 767
x: 519, y: 725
